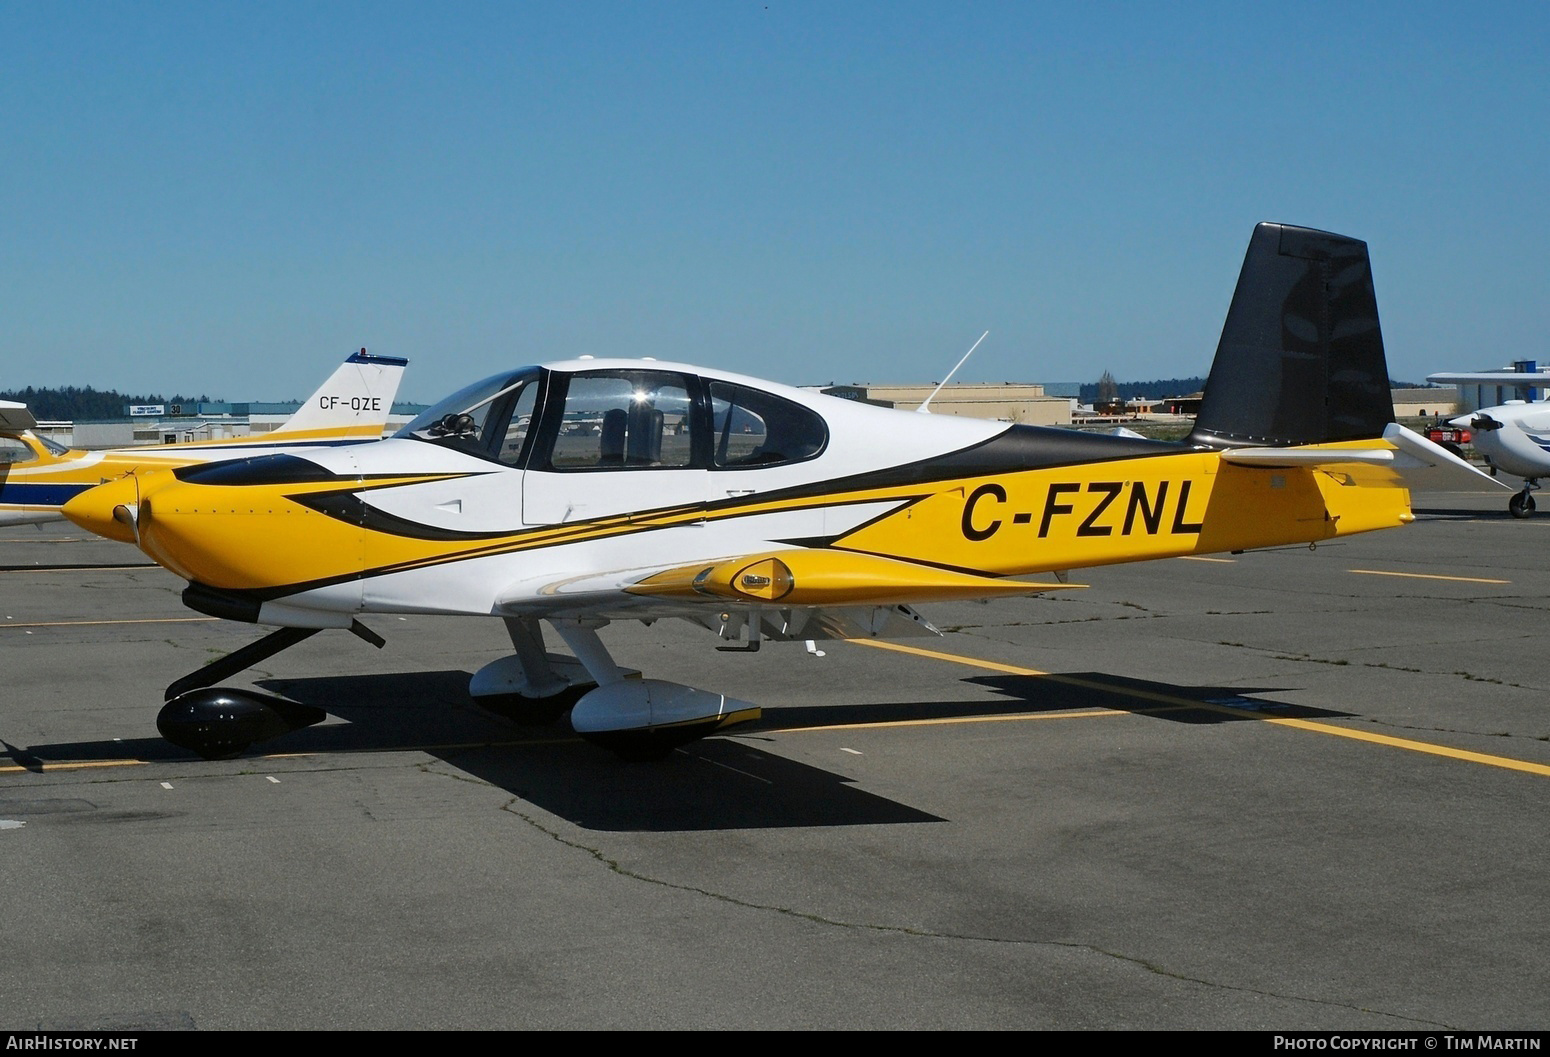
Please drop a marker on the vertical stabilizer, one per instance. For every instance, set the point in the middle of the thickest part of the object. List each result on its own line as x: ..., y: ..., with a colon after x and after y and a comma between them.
x: 14, y: 417
x: 1301, y: 357
x: 354, y: 403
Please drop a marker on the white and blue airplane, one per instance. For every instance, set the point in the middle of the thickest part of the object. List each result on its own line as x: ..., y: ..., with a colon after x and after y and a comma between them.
x: 1513, y: 436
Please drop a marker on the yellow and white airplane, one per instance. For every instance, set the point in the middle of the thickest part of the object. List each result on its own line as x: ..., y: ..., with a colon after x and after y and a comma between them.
x: 351, y: 406
x: 587, y: 491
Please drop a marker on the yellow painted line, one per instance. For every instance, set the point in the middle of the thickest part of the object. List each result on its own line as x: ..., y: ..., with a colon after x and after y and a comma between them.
x: 1280, y: 721
x: 1068, y: 680
x: 1413, y: 746
x: 1202, y: 558
x: 89, y: 623
x: 53, y: 767
x: 973, y: 662
x: 1430, y: 576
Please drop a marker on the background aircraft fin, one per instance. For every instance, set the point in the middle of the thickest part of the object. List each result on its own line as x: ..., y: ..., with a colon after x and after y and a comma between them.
x: 354, y: 402
x: 14, y: 417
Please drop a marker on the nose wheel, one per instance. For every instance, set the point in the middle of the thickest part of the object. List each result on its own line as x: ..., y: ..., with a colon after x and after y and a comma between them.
x: 220, y: 723
x: 1522, y: 503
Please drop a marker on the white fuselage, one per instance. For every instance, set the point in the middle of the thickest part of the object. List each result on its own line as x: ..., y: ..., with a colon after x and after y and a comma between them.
x: 1519, y: 443
x: 479, y: 497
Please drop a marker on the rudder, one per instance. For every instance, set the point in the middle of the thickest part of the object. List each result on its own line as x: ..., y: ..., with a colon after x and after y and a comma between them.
x: 1301, y: 356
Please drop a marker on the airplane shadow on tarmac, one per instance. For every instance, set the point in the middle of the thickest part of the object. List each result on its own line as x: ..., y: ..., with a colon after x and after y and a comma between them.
x: 1166, y: 701
x: 722, y: 782
x: 714, y: 784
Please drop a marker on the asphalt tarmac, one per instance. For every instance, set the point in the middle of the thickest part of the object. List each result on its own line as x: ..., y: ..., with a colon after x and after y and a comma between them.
x: 1281, y: 790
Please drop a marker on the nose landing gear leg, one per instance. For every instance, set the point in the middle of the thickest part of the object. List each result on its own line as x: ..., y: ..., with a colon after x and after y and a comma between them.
x: 1522, y: 504
x: 219, y: 723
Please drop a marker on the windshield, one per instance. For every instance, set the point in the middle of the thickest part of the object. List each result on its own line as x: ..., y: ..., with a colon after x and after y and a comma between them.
x: 24, y: 447
x: 478, y: 419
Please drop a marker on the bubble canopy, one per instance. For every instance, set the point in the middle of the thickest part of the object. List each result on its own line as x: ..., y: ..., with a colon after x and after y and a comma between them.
x: 636, y: 415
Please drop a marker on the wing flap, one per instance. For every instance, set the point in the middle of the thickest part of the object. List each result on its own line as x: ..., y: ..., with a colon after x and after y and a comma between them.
x: 810, y: 623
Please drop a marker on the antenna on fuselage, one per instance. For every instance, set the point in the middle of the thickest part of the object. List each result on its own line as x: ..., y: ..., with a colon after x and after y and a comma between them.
x: 926, y: 410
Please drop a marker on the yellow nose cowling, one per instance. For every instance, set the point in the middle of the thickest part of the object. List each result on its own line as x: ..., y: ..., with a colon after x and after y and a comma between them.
x: 108, y: 510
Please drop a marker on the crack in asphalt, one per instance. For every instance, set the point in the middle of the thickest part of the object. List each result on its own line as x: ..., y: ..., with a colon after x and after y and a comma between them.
x: 953, y: 628
x: 614, y: 866
x: 1391, y: 725
x: 1308, y: 658
x: 1305, y: 658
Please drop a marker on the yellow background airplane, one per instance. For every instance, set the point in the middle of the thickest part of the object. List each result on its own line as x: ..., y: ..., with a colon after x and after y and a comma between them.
x: 585, y: 491
x: 352, y: 405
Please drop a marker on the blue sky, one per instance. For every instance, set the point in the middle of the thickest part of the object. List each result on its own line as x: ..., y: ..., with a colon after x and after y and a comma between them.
x: 230, y: 198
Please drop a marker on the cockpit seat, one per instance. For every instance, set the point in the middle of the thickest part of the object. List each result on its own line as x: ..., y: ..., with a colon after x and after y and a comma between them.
x: 611, y: 445
x: 644, y: 443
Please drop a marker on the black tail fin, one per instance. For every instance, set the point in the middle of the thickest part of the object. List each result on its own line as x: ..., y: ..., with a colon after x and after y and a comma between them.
x: 1301, y: 356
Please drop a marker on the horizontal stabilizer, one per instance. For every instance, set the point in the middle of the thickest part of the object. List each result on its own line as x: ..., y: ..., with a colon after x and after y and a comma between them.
x: 828, y: 578
x: 1290, y: 457
x: 1427, y: 466
x: 1420, y: 463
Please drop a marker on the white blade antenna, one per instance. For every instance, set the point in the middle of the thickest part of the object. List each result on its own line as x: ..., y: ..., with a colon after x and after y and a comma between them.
x: 924, y: 409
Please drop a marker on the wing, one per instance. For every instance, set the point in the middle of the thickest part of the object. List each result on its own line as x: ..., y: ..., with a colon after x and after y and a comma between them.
x: 1506, y: 378
x: 829, y: 577
x: 796, y: 594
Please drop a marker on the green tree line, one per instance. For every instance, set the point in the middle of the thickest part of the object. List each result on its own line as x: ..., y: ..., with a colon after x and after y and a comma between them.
x: 1153, y: 390
x: 85, y: 403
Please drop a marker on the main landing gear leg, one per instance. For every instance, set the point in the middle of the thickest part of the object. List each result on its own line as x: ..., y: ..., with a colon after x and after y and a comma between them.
x: 219, y: 723
x: 532, y: 685
x: 581, y: 636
